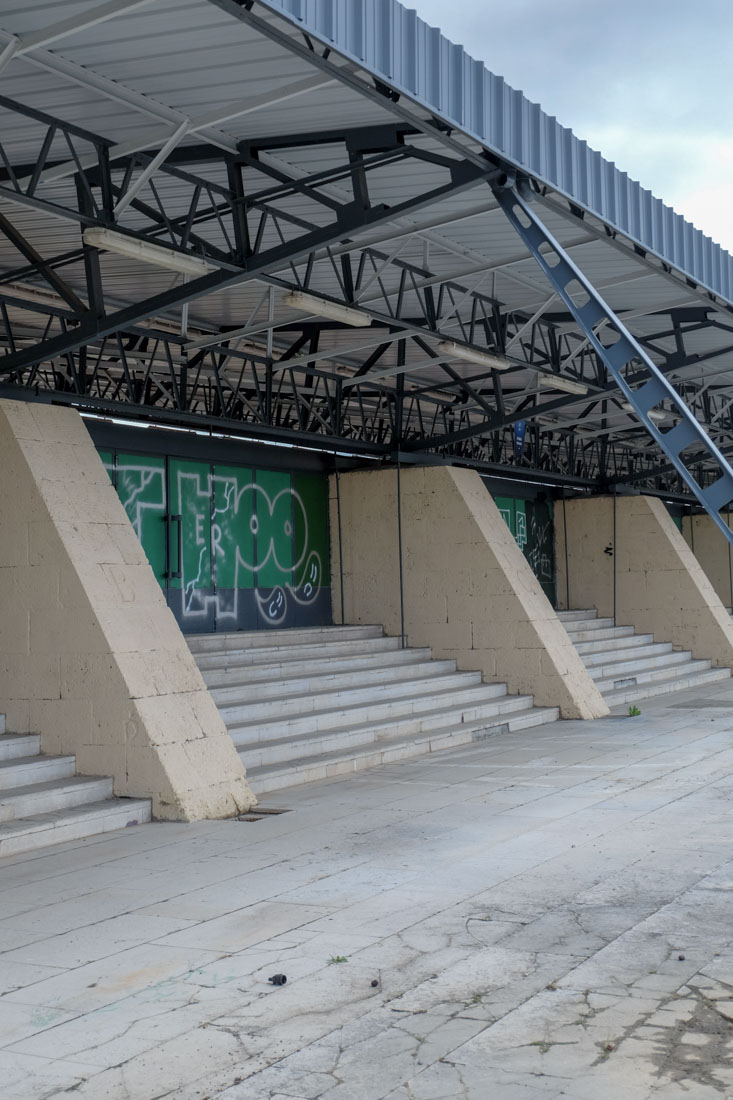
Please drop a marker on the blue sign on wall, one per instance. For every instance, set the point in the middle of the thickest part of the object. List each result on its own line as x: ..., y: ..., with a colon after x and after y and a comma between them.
x: 520, y: 431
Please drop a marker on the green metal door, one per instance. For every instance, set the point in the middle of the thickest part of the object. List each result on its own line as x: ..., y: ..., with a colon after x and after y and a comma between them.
x: 233, y: 545
x: 191, y: 593
x: 311, y: 563
x: 141, y: 486
x: 233, y: 548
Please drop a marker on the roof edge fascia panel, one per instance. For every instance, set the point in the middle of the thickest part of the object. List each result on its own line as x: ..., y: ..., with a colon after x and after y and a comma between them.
x: 417, y: 60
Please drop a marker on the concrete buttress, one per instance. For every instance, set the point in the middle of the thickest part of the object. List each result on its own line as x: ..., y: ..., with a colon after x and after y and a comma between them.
x: 90, y: 656
x: 469, y: 592
x: 660, y: 586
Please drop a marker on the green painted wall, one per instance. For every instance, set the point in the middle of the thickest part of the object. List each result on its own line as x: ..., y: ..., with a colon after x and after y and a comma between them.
x: 234, y: 543
x: 275, y: 534
x: 312, y: 552
x: 232, y: 547
x: 189, y: 497
x: 531, y: 523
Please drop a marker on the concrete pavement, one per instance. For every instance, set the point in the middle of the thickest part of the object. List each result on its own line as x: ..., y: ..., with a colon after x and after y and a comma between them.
x: 546, y: 914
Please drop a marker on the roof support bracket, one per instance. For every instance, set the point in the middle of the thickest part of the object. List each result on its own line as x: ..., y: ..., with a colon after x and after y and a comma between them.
x: 682, y: 439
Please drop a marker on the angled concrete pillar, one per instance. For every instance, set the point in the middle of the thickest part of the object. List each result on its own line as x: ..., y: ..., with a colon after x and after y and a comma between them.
x: 713, y: 551
x: 469, y: 592
x: 90, y: 656
x: 660, y: 586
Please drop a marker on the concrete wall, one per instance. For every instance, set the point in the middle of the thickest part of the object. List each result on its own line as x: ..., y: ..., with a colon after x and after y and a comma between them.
x: 90, y: 656
x: 712, y: 550
x: 661, y: 587
x: 590, y: 534
x: 469, y: 592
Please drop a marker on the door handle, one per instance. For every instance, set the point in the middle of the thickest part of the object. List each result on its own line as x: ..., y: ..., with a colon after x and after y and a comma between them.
x: 171, y: 574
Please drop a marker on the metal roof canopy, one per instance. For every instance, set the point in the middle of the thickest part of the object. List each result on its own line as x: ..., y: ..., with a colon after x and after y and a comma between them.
x: 237, y: 151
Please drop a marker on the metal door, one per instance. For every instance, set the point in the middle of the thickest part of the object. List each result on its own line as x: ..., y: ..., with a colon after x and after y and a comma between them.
x: 141, y: 486
x: 191, y: 588
x: 233, y: 548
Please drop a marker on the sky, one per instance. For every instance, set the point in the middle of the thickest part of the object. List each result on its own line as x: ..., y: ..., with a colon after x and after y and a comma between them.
x: 649, y: 83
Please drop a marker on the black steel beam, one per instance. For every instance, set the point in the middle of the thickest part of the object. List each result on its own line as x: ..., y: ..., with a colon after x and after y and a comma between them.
x: 350, y: 219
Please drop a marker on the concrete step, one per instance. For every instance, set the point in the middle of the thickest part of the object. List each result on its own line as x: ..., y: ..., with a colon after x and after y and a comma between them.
x: 418, y: 704
x: 355, y: 737
x: 241, y: 658
x: 20, y: 771
x: 71, y: 824
x: 591, y: 622
x: 2, y: 723
x: 272, y: 639
x: 52, y: 796
x: 664, y: 687
x: 609, y: 656
x: 326, y: 765
x: 689, y: 668
x: 570, y: 616
x: 317, y: 685
x: 367, y: 694
x: 14, y: 745
x: 342, y: 699
x: 646, y: 663
x: 283, y: 671
x: 611, y: 645
x: 627, y: 667
x: 605, y: 633
x: 43, y: 801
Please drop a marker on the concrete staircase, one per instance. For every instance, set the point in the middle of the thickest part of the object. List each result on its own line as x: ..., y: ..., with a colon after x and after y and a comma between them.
x: 308, y: 704
x: 43, y: 801
x: 627, y: 666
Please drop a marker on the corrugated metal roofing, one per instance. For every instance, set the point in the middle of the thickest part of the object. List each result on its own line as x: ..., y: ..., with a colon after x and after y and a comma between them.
x: 138, y: 76
x: 394, y: 43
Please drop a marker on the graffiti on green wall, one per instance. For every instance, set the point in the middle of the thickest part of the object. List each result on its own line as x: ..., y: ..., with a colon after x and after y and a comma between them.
x: 141, y: 488
x: 531, y: 523
x: 218, y: 537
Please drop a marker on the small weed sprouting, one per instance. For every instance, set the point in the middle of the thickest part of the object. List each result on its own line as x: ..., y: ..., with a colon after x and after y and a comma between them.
x: 337, y: 959
x: 634, y: 712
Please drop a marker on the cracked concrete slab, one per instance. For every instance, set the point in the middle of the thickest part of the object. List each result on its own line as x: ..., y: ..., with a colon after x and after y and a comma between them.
x: 535, y: 917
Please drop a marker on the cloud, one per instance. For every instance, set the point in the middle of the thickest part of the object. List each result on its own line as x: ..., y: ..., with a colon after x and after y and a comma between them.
x: 706, y: 200
x: 646, y: 82
x: 693, y: 173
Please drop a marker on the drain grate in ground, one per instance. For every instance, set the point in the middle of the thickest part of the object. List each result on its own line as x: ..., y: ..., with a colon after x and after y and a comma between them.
x: 485, y: 732
x: 696, y: 704
x: 261, y: 813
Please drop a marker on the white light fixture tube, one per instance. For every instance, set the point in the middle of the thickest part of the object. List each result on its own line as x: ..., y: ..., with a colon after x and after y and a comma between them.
x: 309, y: 303
x: 557, y: 382
x: 144, y: 251
x: 654, y: 414
x: 473, y: 355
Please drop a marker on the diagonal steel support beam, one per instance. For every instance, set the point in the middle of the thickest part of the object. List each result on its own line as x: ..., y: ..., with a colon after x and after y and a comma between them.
x: 618, y: 348
x: 29, y: 253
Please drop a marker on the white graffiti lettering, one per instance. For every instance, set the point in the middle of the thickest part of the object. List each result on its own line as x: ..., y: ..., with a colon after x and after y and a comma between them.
x: 244, y: 518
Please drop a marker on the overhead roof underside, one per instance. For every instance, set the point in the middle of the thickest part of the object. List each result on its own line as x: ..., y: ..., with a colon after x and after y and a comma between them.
x: 259, y: 138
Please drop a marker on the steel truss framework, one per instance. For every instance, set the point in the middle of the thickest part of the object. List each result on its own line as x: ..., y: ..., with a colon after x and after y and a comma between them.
x: 259, y: 225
